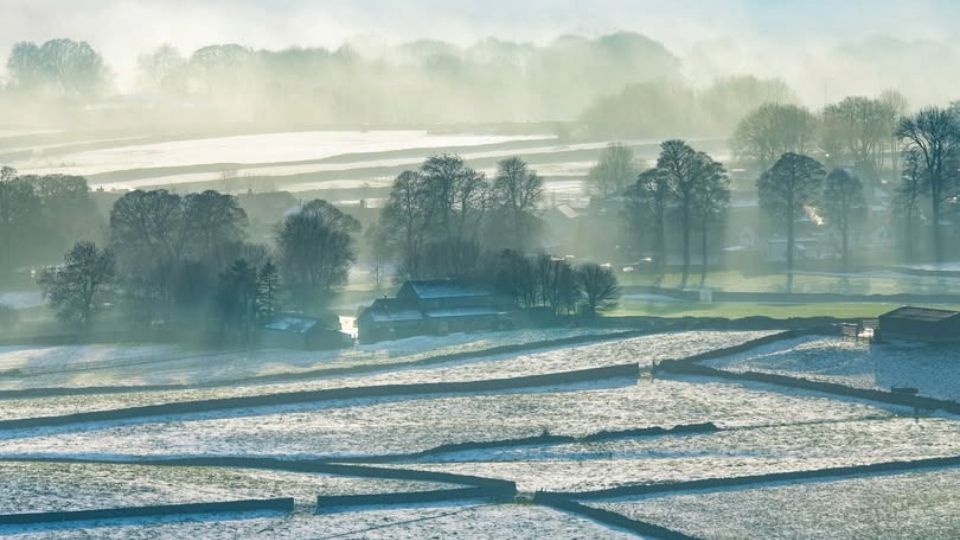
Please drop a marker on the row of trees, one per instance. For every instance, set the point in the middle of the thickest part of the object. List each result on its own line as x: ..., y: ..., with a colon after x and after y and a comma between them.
x: 42, y: 216
x: 183, y: 261
x: 667, y: 107
x: 687, y: 187
x: 858, y: 132
x: 869, y: 136
x: 430, y: 81
x: 437, y: 217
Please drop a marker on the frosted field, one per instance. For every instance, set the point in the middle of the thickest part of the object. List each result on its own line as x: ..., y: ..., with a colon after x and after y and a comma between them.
x: 105, y: 365
x: 924, y: 505
x: 762, y: 429
x: 48, y: 487
x: 643, y: 350
x: 934, y: 370
x: 473, y: 521
x: 253, y: 149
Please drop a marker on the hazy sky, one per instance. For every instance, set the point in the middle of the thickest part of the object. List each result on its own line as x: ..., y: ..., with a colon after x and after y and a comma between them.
x: 121, y: 29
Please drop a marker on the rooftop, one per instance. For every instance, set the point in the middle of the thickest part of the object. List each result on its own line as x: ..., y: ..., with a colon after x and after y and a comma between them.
x: 445, y: 288
x: 921, y: 314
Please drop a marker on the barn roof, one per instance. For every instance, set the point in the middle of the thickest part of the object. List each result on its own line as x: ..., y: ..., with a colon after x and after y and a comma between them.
x: 445, y: 288
x: 920, y: 314
x: 461, y: 312
x: 298, y: 325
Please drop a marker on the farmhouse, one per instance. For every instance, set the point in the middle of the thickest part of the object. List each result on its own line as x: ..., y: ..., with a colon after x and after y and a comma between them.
x: 300, y: 332
x: 434, y: 307
x: 921, y: 324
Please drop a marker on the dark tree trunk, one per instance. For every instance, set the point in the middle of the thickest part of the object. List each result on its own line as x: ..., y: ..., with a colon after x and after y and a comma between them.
x: 703, y: 253
x: 686, y: 245
x: 790, y: 218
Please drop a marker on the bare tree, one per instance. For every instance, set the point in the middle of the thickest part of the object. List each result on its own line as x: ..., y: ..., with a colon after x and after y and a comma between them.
x: 599, y: 288
x: 854, y: 131
x: 772, y: 130
x: 793, y: 182
x: 909, y: 192
x: 75, y: 290
x: 934, y: 134
x: 647, y: 201
x: 844, y: 207
x: 711, y: 198
x: 515, y: 196
x: 615, y: 170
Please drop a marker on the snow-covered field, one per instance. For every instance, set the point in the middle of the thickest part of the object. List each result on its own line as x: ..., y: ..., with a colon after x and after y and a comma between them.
x: 643, y: 350
x: 470, y: 520
x: 49, y: 487
x: 933, y: 370
x: 105, y: 365
x: 253, y: 149
x: 923, y: 505
x: 761, y: 429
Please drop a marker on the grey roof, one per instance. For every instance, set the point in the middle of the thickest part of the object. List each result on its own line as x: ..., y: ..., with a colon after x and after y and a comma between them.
x: 396, y: 316
x: 920, y: 314
x: 299, y: 325
x: 461, y: 312
x: 446, y: 288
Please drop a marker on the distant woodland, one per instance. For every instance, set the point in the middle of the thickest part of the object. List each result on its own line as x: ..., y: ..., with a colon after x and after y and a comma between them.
x: 623, y: 85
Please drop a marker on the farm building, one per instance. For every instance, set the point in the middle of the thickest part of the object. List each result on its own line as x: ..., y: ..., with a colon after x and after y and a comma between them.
x: 434, y: 307
x: 301, y: 332
x: 921, y: 324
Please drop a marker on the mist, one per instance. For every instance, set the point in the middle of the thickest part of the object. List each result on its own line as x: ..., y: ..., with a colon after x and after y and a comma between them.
x: 825, y: 50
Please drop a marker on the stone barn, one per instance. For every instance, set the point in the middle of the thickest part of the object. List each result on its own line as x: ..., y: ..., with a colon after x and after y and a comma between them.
x: 920, y: 324
x: 435, y: 307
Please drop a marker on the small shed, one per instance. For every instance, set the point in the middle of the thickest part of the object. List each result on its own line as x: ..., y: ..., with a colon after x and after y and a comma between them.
x: 302, y: 332
x: 921, y: 324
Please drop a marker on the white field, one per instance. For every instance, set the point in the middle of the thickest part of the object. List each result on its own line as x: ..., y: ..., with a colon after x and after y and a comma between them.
x: 106, y: 365
x: 763, y: 429
x: 252, y: 149
x: 469, y: 520
x: 54, y: 487
x: 922, y: 505
x: 934, y: 370
x: 643, y: 350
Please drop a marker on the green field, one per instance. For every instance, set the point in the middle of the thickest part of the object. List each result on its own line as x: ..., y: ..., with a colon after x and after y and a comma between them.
x: 735, y: 281
x: 740, y: 310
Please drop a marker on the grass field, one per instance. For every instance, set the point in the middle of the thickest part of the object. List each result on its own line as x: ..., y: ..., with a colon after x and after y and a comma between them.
x: 628, y: 307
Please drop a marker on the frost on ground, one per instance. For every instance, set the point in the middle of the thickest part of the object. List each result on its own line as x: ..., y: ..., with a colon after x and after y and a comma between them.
x: 934, y: 370
x: 743, y: 452
x: 643, y: 350
x: 761, y: 432
x: 762, y: 429
x: 923, y: 505
x: 48, y: 487
x: 474, y: 521
x: 106, y: 365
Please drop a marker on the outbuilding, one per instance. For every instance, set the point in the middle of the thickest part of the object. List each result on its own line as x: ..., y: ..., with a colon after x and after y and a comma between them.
x: 921, y: 324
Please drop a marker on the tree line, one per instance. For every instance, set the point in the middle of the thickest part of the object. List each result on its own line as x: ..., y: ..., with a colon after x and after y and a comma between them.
x: 181, y: 262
